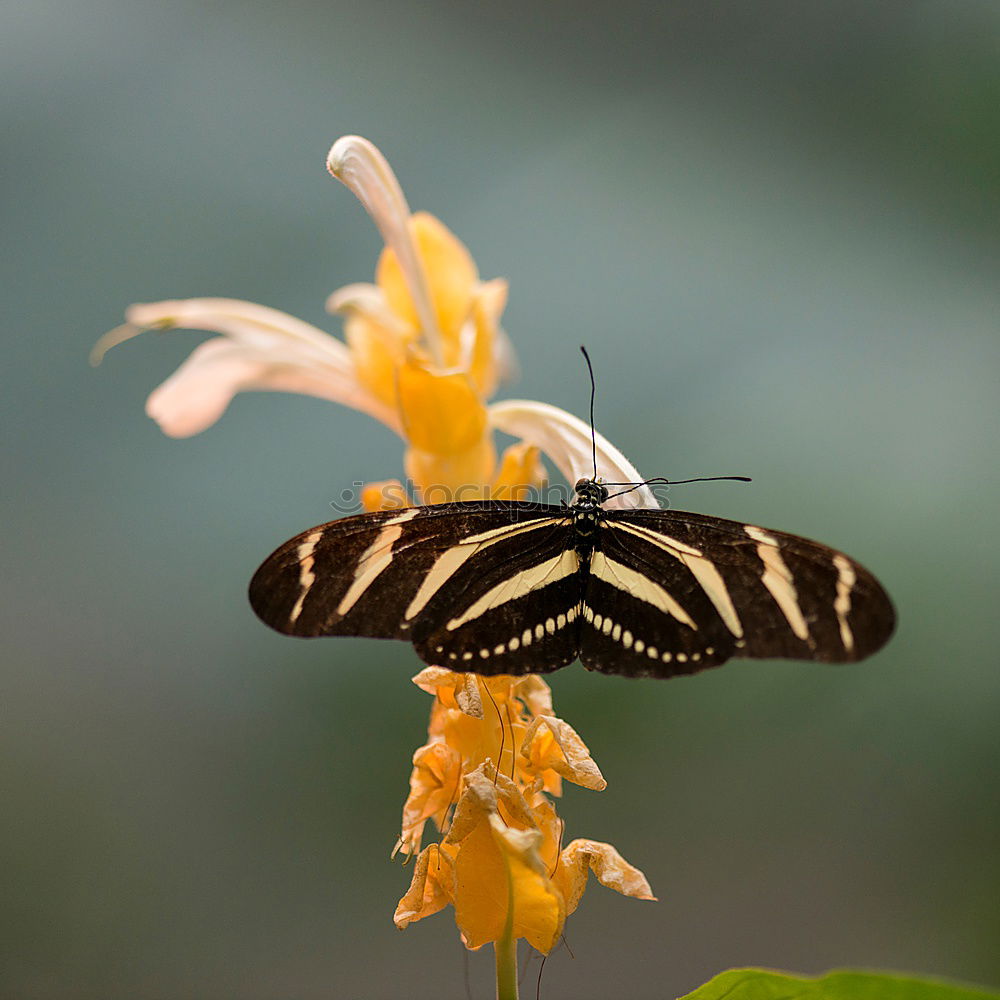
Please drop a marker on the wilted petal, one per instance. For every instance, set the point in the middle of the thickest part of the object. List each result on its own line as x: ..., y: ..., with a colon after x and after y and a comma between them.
x: 485, y: 788
x: 451, y: 689
x: 197, y: 394
x: 552, y: 744
x: 468, y: 697
x: 611, y: 869
x: 434, y: 784
x: 567, y: 441
x: 551, y: 827
x: 431, y: 889
x: 535, y: 693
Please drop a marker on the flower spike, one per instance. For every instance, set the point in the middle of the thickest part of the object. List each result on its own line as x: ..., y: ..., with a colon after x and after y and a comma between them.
x: 423, y: 351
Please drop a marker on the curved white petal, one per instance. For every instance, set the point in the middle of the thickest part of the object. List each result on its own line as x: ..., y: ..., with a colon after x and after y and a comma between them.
x: 360, y: 165
x: 567, y: 441
x: 112, y: 339
x: 197, y: 394
x: 246, y: 322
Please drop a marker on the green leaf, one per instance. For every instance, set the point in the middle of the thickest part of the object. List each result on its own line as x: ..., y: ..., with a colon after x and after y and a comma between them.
x: 763, y: 984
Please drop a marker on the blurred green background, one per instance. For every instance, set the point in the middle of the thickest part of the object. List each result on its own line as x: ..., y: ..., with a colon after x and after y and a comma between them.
x: 776, y: 227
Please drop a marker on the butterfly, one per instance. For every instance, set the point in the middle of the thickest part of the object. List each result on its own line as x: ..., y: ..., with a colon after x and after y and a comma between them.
x: 509, y: 587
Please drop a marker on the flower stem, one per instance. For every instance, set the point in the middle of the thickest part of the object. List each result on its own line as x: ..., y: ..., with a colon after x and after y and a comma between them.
x: 506, y: 954
x: 505, y: 948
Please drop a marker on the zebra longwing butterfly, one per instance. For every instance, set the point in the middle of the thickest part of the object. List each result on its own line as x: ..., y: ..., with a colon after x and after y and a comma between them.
x: 504, y: 587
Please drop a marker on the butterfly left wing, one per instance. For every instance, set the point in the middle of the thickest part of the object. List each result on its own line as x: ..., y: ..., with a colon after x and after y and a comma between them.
x: 688, y: 591
x: 456, y: 579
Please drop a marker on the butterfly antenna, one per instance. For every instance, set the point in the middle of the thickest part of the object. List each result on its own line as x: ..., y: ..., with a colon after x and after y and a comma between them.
x: 659, y: 480
x: 593, y: 392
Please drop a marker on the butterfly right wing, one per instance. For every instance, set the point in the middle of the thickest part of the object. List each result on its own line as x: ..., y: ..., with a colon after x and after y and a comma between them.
x: 687, y: 591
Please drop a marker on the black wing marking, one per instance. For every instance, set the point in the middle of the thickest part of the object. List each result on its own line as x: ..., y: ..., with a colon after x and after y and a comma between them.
x: 749, y: 591
x: 515, y: 612
x: 361, y: 575
x: 644, y: 615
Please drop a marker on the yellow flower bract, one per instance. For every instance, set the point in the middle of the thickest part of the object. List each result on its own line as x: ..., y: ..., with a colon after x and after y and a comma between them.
x: 495, y: 754
x: 451, y: 275
x: 440, y: 399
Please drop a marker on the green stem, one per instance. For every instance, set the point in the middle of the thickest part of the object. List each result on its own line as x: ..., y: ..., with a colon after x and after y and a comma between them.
x: 506, y: 951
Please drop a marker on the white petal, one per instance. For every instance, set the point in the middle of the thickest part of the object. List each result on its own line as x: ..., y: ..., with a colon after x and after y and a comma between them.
x: 197, y: 394
x: 359, y: 164
x: 567, y: 441
x: 112, y: 339
x: 246, y: 322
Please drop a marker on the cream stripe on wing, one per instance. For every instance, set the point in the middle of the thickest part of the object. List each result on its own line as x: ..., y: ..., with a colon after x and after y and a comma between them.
x: 777, y: 577
x: 450, y: 561
x: 521, y: 583
x: 701, y: 567
x: 375, y: 559
x: 846, y: 578
x: 307, y: 577
x: 638, y: 585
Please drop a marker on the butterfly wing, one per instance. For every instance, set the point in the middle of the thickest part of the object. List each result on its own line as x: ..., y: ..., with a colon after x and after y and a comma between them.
x: 335, y: 579
x: 690, y: 591
x: 455, y: 579
x: 514, y: 612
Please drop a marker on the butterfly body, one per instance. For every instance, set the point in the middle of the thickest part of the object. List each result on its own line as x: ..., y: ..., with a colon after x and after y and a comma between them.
x: 503, y: 587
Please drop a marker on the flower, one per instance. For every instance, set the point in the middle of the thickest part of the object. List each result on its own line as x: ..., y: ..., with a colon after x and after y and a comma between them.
x: 485, y: 778
x: 424, y: 351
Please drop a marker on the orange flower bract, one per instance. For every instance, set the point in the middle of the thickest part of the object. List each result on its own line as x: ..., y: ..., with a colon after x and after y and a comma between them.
x: 495, y: 755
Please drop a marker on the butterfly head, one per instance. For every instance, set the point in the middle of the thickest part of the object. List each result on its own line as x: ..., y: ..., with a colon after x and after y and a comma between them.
x: 589, y: 494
